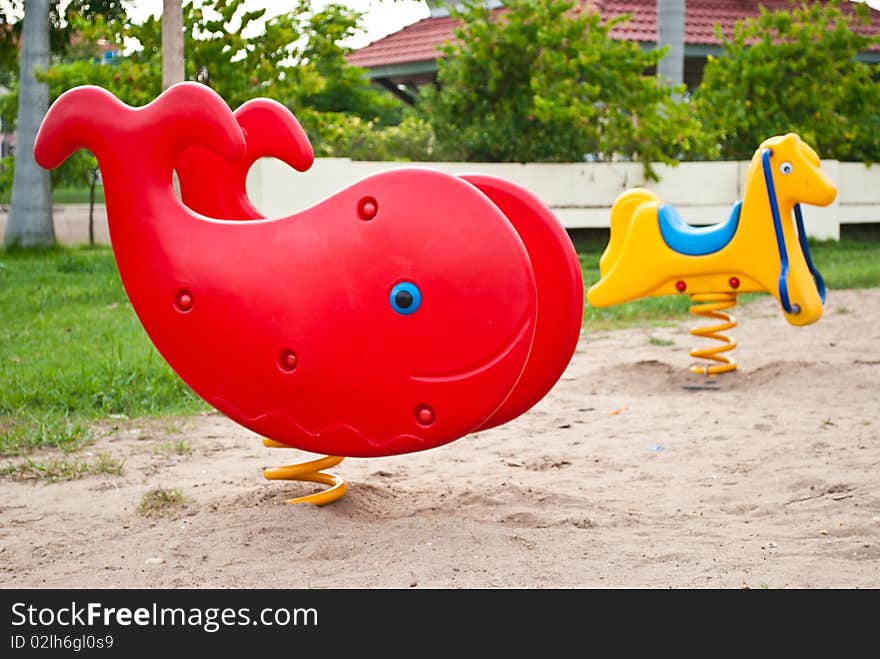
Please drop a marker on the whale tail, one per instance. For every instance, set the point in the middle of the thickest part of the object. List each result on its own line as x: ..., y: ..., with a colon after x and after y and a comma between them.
x: 272, y: 131
x: 91, y: 117
x: 216, y: 187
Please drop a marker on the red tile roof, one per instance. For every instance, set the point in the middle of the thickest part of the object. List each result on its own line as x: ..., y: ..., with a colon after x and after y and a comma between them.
x: 414, y: 43
x: 701, y: 16
x: 419, y: 42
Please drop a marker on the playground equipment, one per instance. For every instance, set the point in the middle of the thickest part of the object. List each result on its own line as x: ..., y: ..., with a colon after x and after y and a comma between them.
x: 653, y: 252
x: 407, y: 310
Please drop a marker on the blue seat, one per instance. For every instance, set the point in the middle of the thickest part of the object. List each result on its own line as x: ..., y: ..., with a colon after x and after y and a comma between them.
x: 696, y: 241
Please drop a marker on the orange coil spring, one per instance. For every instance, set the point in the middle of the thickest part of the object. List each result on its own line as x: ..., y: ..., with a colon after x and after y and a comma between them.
x: 310, y: 472
x: 711, y: 305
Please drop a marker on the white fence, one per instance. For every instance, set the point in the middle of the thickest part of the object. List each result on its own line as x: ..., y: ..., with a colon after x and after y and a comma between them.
x: 581, y: 195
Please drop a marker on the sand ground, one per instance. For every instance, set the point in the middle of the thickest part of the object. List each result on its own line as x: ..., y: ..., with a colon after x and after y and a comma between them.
x: 621, y: 477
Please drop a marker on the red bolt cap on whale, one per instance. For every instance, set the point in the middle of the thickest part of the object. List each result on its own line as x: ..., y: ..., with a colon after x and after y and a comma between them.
x: 405, y: 311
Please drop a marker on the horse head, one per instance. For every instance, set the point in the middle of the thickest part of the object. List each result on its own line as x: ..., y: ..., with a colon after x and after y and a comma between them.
x: 784, y: 173
x: 798, y: 176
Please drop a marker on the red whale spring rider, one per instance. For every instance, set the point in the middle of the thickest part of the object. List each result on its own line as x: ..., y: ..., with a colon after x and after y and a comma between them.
x: 405, y: 311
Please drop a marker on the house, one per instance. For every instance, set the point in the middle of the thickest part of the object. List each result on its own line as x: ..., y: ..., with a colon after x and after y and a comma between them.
x: 405, y: 59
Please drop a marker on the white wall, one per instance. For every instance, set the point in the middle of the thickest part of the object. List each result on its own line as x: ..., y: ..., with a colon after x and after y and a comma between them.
x: 581, y: 195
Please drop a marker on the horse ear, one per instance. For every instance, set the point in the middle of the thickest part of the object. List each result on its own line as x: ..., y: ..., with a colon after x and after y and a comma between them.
x: 790, y: 138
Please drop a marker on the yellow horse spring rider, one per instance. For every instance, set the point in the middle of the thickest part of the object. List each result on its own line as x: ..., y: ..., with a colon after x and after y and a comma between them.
x: 759, y: 248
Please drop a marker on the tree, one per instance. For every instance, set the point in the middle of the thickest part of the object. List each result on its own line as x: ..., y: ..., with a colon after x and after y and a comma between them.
x: 295, y: 59
x: 8, y: 43
x: 63, y: 30
x: 795, y: 71
x: 544, y: 81
x: 670, y: 33
x: 172, y: 43
x: 30, y: 212
x: 74, y: 28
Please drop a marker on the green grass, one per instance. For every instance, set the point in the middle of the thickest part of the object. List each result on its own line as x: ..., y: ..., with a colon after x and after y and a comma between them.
x: 848, y: 263
x: 161, y: 502
x: 62, y: 195
x: 59, y: 469
x: 72, y: 351
x: 655, y: 311
x: 76, y: 195
x: 181, y: 447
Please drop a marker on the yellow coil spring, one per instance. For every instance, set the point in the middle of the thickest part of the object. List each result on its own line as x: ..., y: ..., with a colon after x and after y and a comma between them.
x: 310, y: 472
x: 710, y: 305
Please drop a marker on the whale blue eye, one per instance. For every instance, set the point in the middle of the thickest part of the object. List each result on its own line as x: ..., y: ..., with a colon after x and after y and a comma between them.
x: 405, y: 298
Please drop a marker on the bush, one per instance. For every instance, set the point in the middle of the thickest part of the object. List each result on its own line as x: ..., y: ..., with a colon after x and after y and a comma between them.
x: 794, y: 71
x: 338, y: 135
x: 544, y: 81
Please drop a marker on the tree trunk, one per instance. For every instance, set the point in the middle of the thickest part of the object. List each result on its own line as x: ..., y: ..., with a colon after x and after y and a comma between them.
x: 30, y: 210
x: 172, y: 53
x: 93, y: 182
x: 670, y: 32
x: 172, y: 43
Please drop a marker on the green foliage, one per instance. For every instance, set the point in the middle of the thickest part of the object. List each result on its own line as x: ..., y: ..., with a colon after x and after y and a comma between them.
x: 76, y: 172
x: 130, y: 80
x: 334, y: 134
x: 133, y: 80
x: 412, y: 139
x: 544, y: 81
x: 295, y: 58
x: 9, y: 31
x: 794, y: 70
x: 7, y: 166
x: 345, y: 87
x: 65, y: 23
x: 63, y: 17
